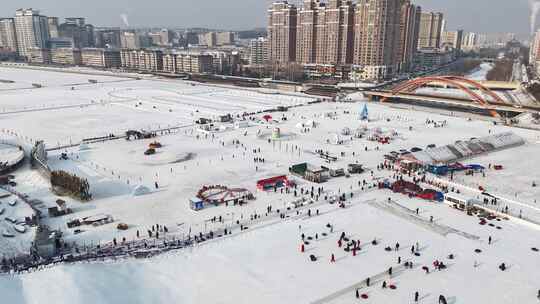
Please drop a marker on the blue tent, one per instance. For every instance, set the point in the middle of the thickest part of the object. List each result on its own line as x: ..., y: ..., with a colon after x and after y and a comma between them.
x: 364, y: 114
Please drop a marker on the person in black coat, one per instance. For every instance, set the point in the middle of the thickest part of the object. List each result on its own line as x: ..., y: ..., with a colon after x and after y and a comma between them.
x: 442, y: 300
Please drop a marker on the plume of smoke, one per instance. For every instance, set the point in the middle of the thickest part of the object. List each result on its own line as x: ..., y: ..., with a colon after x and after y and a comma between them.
x: 125, y: 20
x: 535, y: 10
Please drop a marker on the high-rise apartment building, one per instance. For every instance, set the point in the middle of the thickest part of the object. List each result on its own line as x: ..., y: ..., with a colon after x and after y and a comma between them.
x: 225, y: 38
x: 453, y: 39
x: 534, y: 53
x: 31, y: 29
x: 377, y: 38
x: 430, y: 30
x: 258, y: 51
x: 130, y: 40
x: 53, y: 27
x: 325, y: 32
x: 306, y: 36
x: 339, y: 32
x: 107, y: 38
x: 8, y: 36
x: 163, y: 37
x: 282, y: 18
x: 208, y: 39
x: 75, y: 28
x: 410, y: 27
x: 469, y: 41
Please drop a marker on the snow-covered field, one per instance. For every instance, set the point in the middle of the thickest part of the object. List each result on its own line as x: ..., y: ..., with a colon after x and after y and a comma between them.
x: 263, y: 264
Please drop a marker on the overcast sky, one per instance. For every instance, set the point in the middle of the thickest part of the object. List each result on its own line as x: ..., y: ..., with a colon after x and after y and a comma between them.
x: 471, y: 15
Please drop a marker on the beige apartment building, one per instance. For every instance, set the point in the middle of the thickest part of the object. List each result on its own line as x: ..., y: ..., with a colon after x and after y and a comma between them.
x: 534, y: 53
x: 66, y: 56
x: 453, y: 39
x: 377, y: 40
x: 325, y: 32
x: 100, y: 58
x: 32, y: 30
x: 8, y: 36
x: 187, y: 63
x: 208, y: 39
x: 225, y: 38
x: 195, y: 63
x: 258, y: 51
x: 61, y: 56
x: 410, y: 27
x: 282, y: 18
x: 38, y: 55
x: 142, y: 59
x: 430, y: 30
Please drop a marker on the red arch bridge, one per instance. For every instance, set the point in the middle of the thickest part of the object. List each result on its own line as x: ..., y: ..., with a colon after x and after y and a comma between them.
x: 479, y: 96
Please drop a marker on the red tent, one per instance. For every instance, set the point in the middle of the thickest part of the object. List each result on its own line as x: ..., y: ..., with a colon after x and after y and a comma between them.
x: 277, y: 181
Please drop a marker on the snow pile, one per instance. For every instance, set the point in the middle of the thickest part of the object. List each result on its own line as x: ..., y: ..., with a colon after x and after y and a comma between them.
x: 84, y: 146
x: 141, y: 190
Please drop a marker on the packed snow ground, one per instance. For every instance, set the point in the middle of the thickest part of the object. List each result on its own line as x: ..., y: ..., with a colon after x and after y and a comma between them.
x: 264, y: 264
x: 12, y: 208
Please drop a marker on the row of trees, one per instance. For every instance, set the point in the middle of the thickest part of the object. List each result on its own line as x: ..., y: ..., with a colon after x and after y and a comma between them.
x: 465, y: 66
x: 502, y: 71
x: 77, y: 186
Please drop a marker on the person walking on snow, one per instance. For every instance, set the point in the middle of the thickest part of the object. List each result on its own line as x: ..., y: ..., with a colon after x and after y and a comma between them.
x: 302, y: 248
x: 333, y: 259
x: 442, y: 300
x: 416, y: 296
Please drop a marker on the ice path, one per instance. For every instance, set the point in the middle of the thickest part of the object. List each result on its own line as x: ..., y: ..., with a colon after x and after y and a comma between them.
x: 396, y: 209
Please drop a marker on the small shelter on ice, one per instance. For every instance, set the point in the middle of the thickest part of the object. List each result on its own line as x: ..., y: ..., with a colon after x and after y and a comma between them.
x: 273, y: 182
x: 196, y: 203
x: 310, y: 173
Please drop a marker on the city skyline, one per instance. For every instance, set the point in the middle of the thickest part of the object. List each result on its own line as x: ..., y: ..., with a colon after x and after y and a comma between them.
x: 209, y: 14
